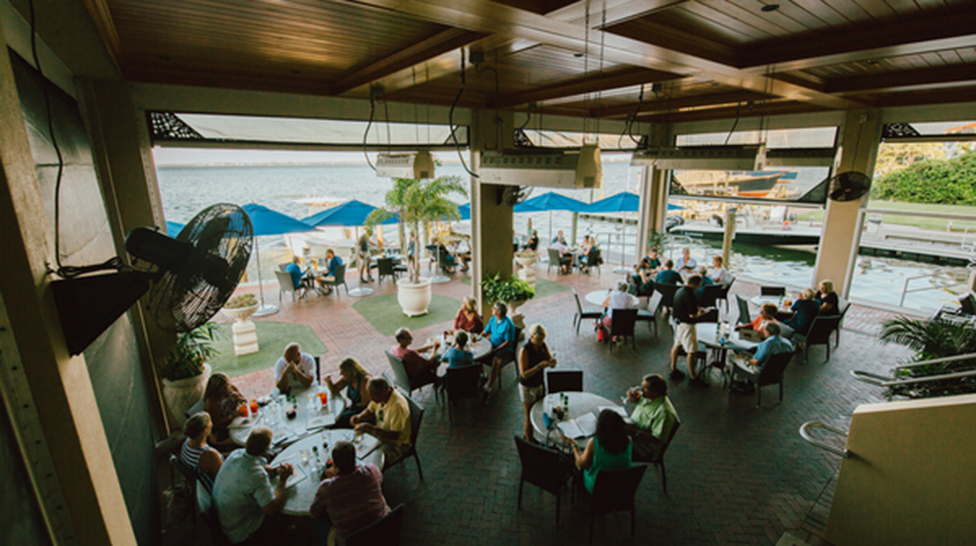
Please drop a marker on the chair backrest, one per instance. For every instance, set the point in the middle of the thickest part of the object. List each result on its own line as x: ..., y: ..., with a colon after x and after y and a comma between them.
x: 553, y: 256
x: 667, y: 293
x: 614, y: 490
x: 385, y: 530
x: 190, y: 475
x: 564, y: 381
x: 400, y: 377
x: 442, y: 260
x: 772, y: 372
x: 579, y: 306
x: 318, y: 369
x: 654, y: 303
x: 772, y: 290
x: 385, y: 266
x: 710, y: 294
x: 416, y: 417
x: 195, y: 408
x: 674, y: 430
x: 821, y: 328
x: 284, y: 266
x: 340, y: 274
x: 541, y: 466
x: 594, y: 257
x: 285, y: 283
x: 462, y: 383
x: 842, y: 307
x: 743, y: 310
x: 623, y: 322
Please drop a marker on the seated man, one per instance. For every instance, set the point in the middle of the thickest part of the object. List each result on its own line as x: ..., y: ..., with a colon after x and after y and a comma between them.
x: 686, y: 264
x: 419, y: 368
x: 773, y: 345
x: 653, y: 259
x: 463, y: 252
x: 653, y: 418
x: 559, y: 238
x: 767, y: 316
x: 243, y: 495
x: 351, y: 495
x: 332, y: 263
x: 565, y: 256
x: 297, y: 275
x: 387, y: 417
x: 294, y: 369
x: 668, y: 275
x: 501, y: 332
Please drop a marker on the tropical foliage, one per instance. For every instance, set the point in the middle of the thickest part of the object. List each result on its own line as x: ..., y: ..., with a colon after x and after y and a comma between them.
x: 932, y: 339
x: 192, y: 350
x: 943, y: 181
x: 417, y: 202
x: 496, y: 288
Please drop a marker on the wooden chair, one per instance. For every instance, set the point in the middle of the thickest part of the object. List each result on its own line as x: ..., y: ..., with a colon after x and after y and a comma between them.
x: 385, y: 531
x: 819, y: 334
x: 285, y: 285
x: 462, y: 384
x: 622, y: 325
x: 402, y: 379
x: 614, y: 491
x: 416, y: 418
x: 545, y: 468
x: 771, y: 374
x: 659, y: 459
x: 588, y: 312
x: 744, y: 317
x: 564, y: 381
x: 650, y: 314
x: 338, y: 280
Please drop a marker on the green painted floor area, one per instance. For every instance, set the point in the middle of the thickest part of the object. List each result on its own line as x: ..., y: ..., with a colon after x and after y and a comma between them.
x: 543, y: 287
x: 384, y: 313
x: 272, y: 339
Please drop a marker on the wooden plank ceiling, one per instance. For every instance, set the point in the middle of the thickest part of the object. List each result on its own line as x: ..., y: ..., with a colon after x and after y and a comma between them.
x: 654, y: 59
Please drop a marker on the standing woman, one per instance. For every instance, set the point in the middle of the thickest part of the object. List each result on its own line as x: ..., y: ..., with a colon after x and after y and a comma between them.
x: 610, y: 449
x: 533, y: 359
x: 363, y: 257
x: 827, y: 299
x: 354, y: 378
x: 220, y: 390
x: 468, y: 318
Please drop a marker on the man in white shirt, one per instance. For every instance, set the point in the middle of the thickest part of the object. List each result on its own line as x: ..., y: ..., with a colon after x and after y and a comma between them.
x: 565, y: 257
x: 294, y: 369
x: 686, y: 264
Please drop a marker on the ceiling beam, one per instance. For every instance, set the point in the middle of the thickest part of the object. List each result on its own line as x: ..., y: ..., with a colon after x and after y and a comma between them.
x: 649, y: 110
x: 587, y: 84
x: 729, y: 113
x: 946, y: 30
x: 101, y: 16
x: 443, y: 42
x: 934, y: 96
x: 889, y: 81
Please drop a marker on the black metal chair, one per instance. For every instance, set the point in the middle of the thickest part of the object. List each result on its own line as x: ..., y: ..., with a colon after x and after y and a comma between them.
x: 416, y: 418
x: 658, y: 460
x: 614, y: 491
x: 318, y: 369
x: 512, y: 360
x: 771, y: 374
x: 710, y: 295
x: 819, y: 334
x: 588, y: 312
x: 650, y: 314
x: 593, y: 259
x: 744, y: 317
x: 772, y: 291
x: 564, y: 381
x: 338, y: 280
x: 190, y: 479
x: 462, y: 384
x: 403, y: 380
x: 622, y: 325
x: 385, y: 531
x: 724, y: 294
x: 385, y: 268
x: 545, y: 468
x: 842, y: 305
x: 667, y: 294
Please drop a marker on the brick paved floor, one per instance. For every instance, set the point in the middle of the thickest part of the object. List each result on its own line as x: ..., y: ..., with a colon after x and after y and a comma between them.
x: 736, y: 474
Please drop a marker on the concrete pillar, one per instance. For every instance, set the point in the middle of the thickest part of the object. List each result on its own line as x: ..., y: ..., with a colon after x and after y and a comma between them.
x: 860, y: 136
x: 58, y: 385
x: 491, y: 219
x: 122, y: 154
x: 653, y: 194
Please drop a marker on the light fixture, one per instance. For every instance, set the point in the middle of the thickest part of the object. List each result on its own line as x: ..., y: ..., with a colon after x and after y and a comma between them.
x: 770, y: 7
x: 578, y: 168
x: 405, y: 165
x: 704, y: 158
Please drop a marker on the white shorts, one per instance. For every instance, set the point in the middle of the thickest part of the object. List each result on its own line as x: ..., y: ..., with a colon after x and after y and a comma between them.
x: 531, y: 395
x: 686, y: 335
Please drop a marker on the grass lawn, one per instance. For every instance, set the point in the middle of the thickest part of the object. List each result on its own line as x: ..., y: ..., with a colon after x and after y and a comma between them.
x: 272, y: 339
x: 924, y: 223
x: 384, y: 313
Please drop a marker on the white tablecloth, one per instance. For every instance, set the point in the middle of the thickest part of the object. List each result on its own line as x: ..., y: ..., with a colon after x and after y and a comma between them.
x: 287, y: 430
x: 580, y: 403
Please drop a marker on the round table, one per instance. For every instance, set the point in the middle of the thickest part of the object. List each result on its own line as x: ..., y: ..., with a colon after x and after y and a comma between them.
x: 478, y: 348
x: 299, y: 497
x: 287, y: 430
x: 597, y: 297
x: 580, y: 403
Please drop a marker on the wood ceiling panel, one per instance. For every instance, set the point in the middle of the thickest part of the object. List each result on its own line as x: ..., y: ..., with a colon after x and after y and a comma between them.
x: 933, y: 58
x: 541, y: 7
x: 967, y: 54
x: 849, y: 9
x: 822, y: 11
x: 723, y: 25
x: 750, y: 13
x: 877, y: 9
x: 789, y: 16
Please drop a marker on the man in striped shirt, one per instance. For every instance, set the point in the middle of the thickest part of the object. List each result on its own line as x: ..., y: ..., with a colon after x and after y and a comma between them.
x: 351, y: 495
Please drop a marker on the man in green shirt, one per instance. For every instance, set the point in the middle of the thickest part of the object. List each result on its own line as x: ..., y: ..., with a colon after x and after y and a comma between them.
x: 653, y: 418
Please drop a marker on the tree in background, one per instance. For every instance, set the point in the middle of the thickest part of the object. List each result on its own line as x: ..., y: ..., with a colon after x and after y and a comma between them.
x: 938, y: 181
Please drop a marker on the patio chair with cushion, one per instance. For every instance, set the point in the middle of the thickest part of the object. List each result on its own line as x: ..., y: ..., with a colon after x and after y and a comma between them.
x: 385, y: 531
x: 564, y: 381
x: 614, y: 491
x: 416, y: 418
x: 819, y: 334
x: 402, y: 379
x: 744, y: 317
x: 286, y: 285
x: 588, y: 312
x: 649, y: 315
x: 545, y: 468
x: 771, y: 374
x: 622, y: 326
x: 338, y: 280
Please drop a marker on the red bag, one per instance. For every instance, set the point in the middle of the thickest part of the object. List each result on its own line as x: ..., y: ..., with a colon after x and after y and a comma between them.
x: 601, y: 333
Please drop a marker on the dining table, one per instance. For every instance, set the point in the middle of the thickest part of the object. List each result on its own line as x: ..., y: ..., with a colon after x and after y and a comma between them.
x: 719, y: 338
x: 478, y: 344
x: 309, y: 456
x: 582, y: 409
x: 310, y: 416
x: 597, y: 297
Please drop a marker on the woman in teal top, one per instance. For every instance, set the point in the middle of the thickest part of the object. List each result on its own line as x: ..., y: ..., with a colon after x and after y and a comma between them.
x: 609, y: 450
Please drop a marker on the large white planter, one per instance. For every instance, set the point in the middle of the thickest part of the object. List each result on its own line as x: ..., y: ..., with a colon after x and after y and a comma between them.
x: 245, y: 334
x: 527, y: 261
x: 240, y: 314
x: 180, y: 395
x: 414, y: 299
x: 517, y: 318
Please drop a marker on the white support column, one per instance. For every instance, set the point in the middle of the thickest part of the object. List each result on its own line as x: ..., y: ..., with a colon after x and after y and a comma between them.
x: 653, y: 194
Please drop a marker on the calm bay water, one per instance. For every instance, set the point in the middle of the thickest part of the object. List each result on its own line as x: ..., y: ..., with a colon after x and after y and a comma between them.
x: 187, y: 190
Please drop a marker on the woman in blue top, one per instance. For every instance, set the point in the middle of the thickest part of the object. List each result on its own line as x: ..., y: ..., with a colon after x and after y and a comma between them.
x: 459, y: 356
x: 354, y: 379
x: 610, y: 449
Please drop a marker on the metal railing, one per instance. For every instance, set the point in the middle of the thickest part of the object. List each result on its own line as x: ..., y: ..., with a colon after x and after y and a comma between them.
x: 887, y: 382
x: 609, y: 241
x: 845, y: 453
x: 905, y: 291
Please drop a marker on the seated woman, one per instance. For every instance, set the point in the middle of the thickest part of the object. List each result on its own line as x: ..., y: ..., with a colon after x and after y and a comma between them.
x: 444, y: 258
x: 218, y: 391
x: 644, y: 277
x: 533, y: 242
x: 805, y: 309
x: 458, y: 355
x: 610, y: 449
x: 196, y: 454
x: 618, y: 299
x: 467, y: 318
x: 827, y: 298
x: 353, y: 376
x: 589, y: 244
x: 767, y: 314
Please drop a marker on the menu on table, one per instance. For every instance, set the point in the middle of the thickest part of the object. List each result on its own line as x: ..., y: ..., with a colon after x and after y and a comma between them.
x: 583, y: 426
x: 365, y: 445
x: 319, y: 420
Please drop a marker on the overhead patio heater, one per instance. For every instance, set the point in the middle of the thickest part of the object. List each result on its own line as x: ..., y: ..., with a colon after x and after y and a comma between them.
x: 704, y: 158
x: 576, y: 168
x: 405, y: 165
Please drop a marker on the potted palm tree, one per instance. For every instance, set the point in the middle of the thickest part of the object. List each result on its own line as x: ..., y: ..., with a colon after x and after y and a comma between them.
x: 417, y: 202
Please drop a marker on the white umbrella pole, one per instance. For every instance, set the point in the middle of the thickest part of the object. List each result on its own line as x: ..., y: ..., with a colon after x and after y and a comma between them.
x: 263, y: 310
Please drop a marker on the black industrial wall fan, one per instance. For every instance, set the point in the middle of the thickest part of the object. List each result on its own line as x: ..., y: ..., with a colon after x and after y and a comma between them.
x: 191, y: 277
x: 849, y: 186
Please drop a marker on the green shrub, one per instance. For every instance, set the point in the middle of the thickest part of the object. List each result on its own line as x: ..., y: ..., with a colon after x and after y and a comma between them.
x: 950, y: 182
x: 497, y: 289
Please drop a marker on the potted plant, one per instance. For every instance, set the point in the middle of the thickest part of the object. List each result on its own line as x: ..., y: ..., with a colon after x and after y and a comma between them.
x: 185, y: 371
x: 417, y: 202
x: 513, y: 291
x: 240, y: 308
x: 526, y: 258
x: 932, y: 339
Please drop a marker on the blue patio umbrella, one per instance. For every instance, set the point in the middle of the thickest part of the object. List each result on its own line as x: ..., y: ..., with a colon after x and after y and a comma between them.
x: 173, y: 228
x: 620, y: 202
x: 465, y: 211
x: 551, y: 201
x: 350, y: 213
x: 270, y: 222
